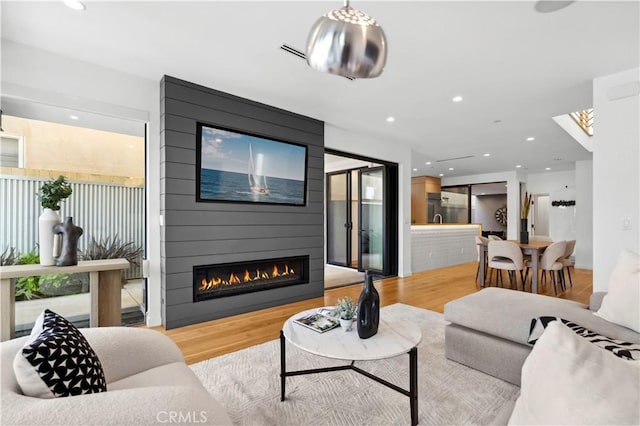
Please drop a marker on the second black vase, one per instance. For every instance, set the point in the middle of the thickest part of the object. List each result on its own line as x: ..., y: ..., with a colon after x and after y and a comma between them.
x: 368, y: 309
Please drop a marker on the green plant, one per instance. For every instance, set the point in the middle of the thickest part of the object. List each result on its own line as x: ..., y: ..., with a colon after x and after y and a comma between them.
x: 38, y: 286
x: 526, y: 205
x: 28, y: 287
x: 112, y: 248
x: 53, y: 192
x: 9, y: 256
x: 346, y: 308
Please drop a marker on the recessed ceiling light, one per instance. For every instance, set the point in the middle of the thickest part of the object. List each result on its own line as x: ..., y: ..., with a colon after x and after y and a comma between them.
x: 428, y: 163
x: 74, y: 117
x: 457, y: 98
x: 531, y: 138
x: 547, y: 168
x: 415, y: 170
x: 450, y: 168
x: 75, y: 4
x: 518, y: 166
x: 441, y: 174
x: 486, y: 155
x: 482, y: 193
x: 390, y: 119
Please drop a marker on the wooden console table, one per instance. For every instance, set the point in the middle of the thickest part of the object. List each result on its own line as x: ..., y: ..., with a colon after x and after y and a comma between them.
x: 105, y: 278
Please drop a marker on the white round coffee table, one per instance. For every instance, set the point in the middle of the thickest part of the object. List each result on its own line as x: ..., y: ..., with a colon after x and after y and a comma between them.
x: 395, y: 337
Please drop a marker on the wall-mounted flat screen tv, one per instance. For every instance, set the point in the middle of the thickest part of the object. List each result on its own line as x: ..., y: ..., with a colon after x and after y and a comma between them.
x: 235, y: 166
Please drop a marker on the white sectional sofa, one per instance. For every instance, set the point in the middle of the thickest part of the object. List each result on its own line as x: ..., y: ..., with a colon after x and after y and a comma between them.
x: 147, y: 383
x: 488, y: 330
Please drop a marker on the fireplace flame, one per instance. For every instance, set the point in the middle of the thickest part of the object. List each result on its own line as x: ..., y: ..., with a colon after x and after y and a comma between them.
x: 246, y: 277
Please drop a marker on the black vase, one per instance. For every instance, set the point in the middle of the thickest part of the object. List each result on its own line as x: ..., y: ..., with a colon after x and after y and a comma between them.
x: 524, y: 234
x: 368, y: 309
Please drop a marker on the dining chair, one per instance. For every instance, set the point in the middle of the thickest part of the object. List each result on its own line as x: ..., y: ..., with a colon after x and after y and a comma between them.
x: 507, y: 255
x: 551, y: 261
x: 567, y: 263
x: 484, y: 241
x: 494, y: 238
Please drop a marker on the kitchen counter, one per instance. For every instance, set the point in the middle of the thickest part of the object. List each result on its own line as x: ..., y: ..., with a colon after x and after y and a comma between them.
x: 439, y: 245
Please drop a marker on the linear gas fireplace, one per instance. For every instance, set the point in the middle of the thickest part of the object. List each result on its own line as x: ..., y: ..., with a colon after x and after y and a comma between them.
x: 229, y: 279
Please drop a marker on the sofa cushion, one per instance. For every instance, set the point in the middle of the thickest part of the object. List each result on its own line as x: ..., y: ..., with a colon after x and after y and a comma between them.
x: 508, y: 313
x: 567, y: 380
x: 620, y: 348
x: 57, y: 360
x: 621, y: 305
x: 174, y: 374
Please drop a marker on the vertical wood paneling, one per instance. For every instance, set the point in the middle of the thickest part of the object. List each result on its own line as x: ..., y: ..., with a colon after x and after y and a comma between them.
x: 183, y: 105
x: 100, y: 209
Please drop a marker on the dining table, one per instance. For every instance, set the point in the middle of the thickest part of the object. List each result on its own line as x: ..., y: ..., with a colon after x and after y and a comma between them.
x: 531, y: 248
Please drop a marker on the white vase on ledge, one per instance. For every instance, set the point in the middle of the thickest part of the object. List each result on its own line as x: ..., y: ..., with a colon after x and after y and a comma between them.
x: 46, y: 222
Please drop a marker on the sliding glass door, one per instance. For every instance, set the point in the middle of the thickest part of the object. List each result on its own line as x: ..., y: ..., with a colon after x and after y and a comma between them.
x: 339, y: 219
x: 355, y: 219
x: 371, y: 219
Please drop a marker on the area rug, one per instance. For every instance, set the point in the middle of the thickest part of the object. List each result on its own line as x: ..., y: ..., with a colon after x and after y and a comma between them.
x: 247, y: 383
x: 337, y: 276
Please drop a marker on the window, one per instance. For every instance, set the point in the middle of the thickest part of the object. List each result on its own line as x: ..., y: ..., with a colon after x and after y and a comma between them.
x: 11, y: 150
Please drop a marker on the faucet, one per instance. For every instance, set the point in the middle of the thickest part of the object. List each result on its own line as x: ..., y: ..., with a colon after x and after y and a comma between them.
x: 437, y: 215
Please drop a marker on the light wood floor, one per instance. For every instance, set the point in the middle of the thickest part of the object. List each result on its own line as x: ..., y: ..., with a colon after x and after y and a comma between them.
x: 428, y: 290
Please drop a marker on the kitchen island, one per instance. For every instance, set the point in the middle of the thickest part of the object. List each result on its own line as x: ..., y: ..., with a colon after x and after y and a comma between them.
x: 439, y: 245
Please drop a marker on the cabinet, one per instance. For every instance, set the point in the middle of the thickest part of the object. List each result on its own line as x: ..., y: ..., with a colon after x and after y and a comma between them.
x: 420, y: 187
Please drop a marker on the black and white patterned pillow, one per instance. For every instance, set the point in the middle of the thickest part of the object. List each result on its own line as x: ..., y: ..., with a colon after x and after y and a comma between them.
x: 625, y: 350
x: 57, y: 361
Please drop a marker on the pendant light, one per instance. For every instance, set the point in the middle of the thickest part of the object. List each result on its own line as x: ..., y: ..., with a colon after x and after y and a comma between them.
x: 347, y: 42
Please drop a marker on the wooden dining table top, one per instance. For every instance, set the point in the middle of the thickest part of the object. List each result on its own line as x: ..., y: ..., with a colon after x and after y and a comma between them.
x: 533, y: 244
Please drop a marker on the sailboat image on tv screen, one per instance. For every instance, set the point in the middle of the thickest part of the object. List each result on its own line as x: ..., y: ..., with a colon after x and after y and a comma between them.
x: 257, y: 181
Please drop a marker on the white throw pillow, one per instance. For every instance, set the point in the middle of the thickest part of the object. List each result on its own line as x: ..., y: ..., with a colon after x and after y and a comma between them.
x: 566, y: 380
x: 621, y: 305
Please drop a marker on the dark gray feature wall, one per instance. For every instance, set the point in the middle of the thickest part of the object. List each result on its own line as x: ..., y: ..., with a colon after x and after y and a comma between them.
x: 202, y: 233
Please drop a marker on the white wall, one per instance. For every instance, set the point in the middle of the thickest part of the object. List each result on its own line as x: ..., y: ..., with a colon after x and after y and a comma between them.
x: 616, y: 161
x: 36, y: 75
x: 345, y: 141
x: 513, y: 180
x: 584, y: 215
x: 559, y: 186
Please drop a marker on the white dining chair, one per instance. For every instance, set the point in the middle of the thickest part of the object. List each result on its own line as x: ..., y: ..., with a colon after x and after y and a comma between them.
x: 567, y: 263
x: 482, y: 241
x: 551, y: 261
x: 507, y: 255
x: 495, y: 238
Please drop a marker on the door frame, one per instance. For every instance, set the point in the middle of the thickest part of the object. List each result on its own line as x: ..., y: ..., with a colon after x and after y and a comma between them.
x: 391, y: 215
x: 348, y: 226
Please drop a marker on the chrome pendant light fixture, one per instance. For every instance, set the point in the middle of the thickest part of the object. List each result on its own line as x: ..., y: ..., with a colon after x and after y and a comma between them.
x: 347, y: 42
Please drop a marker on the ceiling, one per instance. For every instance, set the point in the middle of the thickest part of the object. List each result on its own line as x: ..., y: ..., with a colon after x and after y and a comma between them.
x: 514, y: 67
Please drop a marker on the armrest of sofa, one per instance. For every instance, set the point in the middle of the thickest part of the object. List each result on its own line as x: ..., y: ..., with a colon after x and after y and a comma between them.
x: 139, y: 406
x: 596, y: 300
x: 125, y: 351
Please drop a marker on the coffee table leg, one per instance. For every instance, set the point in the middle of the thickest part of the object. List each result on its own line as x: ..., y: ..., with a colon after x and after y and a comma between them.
x: 413, y: 385
x: 283, y: 367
